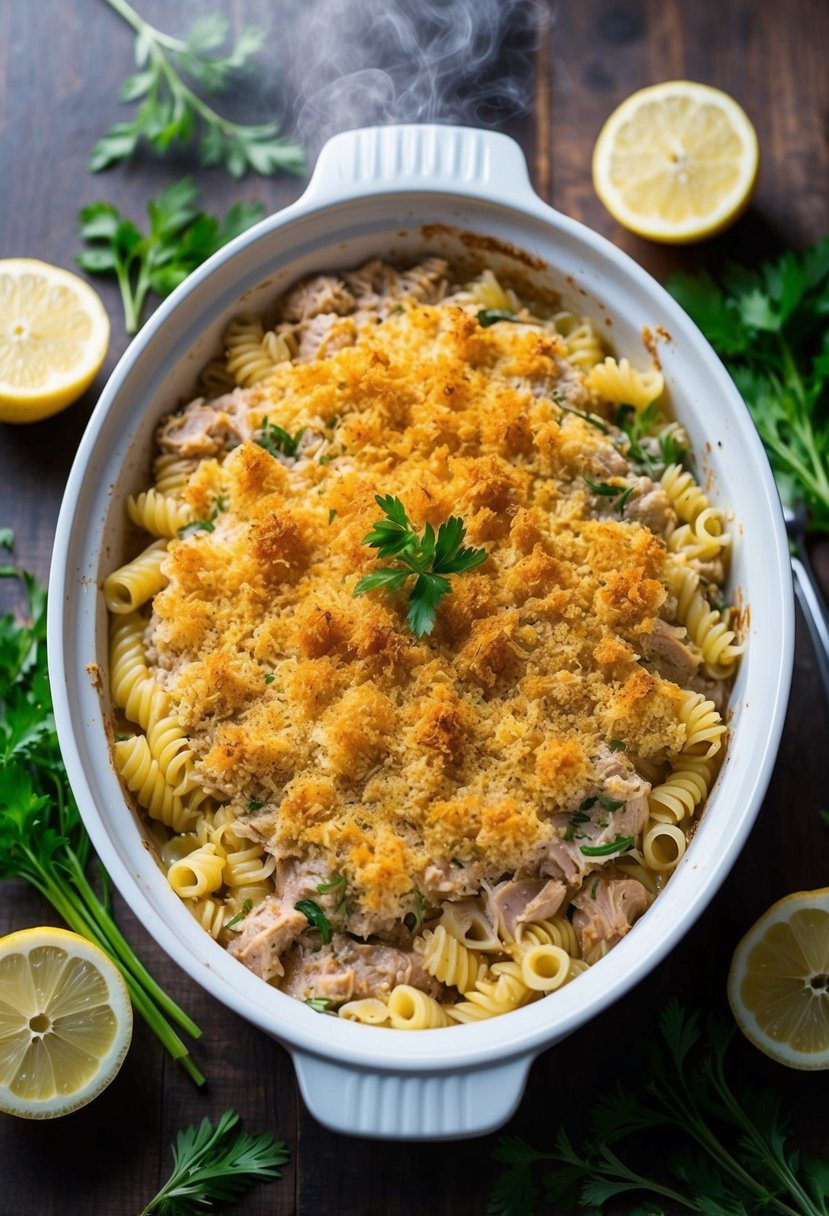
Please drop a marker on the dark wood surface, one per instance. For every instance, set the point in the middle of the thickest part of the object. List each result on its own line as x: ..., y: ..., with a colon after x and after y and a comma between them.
x: 60, y: 68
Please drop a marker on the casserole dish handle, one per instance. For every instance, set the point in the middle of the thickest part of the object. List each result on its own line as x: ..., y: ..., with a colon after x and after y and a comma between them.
x: 422, y: 1105
x: 454, y: 160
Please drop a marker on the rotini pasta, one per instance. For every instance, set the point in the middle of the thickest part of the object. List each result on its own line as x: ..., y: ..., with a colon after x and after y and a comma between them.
x: 198, y: 874
x: 157, y: 513
x: 132, y: 585
x: 450, y: 961
x: 616, y: 380
x: 142, y: 775
x: 411, y: 1009
x: 581, y: 340
x: 370, y: 1011
x: 707, y: 627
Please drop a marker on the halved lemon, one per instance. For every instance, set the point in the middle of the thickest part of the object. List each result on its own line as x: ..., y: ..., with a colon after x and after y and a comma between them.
x: 778, y: 986
x: 54, y: 335
x: 676, y: 162
x: 65, y: 1022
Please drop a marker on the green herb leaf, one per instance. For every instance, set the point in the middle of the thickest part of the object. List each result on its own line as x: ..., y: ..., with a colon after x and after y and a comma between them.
x: 6, y: 539
x: 414, y: 920
x: 769, y: 326
x: 319, y: 1004
x: 602, y: 488
x: 172, y: 112
x: 276, y: 440
x: 253, y: 805
x: 216, y: 1164
x: 427, y: 558
x: 616, y: 745
x: 315, y: 916
x: 240, y: 916
x: 180, y: 239
x: 333, y: 885
x: 489, y: 316
x: 620, y: 845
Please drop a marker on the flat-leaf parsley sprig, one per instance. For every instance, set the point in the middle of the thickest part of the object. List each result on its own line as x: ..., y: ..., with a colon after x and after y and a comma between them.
x: 170, y: 110
x: 769, y: 325
x: 728, y: 1150
x: 216, y: 1164
x: 180, y: 238
x: 428, y: 559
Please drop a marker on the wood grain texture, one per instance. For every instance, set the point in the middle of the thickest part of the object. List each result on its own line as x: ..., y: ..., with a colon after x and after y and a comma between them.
x: 60, y: 69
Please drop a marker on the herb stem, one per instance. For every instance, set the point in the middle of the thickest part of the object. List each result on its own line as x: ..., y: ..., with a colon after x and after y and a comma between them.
x: 143, y: 27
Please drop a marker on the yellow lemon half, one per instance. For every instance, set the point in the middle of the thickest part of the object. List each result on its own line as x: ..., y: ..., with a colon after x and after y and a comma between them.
x: 778, y: 986
x: 65, y: 1022
x: 54, y: 335
x: 676, y: 162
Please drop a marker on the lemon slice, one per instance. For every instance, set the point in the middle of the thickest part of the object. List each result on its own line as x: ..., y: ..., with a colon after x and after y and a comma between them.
x: 778, y: 985
x: 65, y: 1022
x: 676, y: 162
x: 54, y: 334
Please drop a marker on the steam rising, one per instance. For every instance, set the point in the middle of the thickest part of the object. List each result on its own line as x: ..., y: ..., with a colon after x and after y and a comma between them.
x: 358, y: 63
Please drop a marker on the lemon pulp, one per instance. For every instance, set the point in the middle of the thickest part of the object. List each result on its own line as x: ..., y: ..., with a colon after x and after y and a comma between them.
x: 65, y: 1022
x: 676, y: 162
x: 54, y: 334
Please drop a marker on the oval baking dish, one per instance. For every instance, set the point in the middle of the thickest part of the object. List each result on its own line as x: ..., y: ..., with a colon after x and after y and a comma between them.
x: 396, y: 193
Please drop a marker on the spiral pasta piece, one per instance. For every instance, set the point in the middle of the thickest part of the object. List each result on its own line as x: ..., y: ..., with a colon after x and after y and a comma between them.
x: 370, y: 1011
x: 248, y: 866
x: 172, y: 473
x: 158, y: 514
x: 215, y: 380
x: 133, y: 688
x: 142, y: 776
x: 707, y: 628
x: 663, y: 846
x: 701, y: 540
x: 411, y: 1009
x: 615, y: 380
x: 558, y: 931
x: 449, y: 960
x: 581, y: 340
x: 170, y: 748
x: 492, y: 997
x: 198, y: 874
x: 544, y: 967
x: 486, y: 292
x: 679, y: 795
x: 210, y: 913
x: 138, y: 581
x: 688, y: 498
x: 251, y: 353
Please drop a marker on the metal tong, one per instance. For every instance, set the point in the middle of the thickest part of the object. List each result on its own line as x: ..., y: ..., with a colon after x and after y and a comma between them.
x: 808, y: 592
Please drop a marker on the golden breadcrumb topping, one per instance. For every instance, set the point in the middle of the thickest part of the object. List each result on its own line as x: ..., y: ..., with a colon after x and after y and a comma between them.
x: 380, y: 752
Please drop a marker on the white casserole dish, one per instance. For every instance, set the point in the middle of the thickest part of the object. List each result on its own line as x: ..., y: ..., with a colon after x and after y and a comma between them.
x: 381, y: 192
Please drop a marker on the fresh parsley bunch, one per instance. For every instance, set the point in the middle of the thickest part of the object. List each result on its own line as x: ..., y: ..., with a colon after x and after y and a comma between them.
x: 171, y: 111
x: 428, y: 559
x: 728, y: 1153
x: 42, y: 838
x: 180, y: 238
x: 769, y: 325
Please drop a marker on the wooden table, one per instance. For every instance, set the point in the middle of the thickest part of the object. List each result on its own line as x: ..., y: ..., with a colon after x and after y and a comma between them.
x: 60, y: 68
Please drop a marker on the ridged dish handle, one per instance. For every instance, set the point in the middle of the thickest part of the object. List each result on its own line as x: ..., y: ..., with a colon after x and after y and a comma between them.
x: 403, y: 1105
x: 461, y: 160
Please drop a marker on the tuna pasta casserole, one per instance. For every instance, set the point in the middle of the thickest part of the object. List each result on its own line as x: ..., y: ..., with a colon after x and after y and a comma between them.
x: 420, y: 679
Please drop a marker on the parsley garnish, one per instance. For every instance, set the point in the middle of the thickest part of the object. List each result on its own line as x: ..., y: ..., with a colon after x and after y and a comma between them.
x: 576, y: 820
x: 253, y: 805
x: 488, y: 316
x: 333, y: 885
x: 428, y: 558
x: 204, y: 525
x: 180, y: 238
x: 42, y: 838
x: 215, y: 1164
x: 240, y: 916
x: 269, y: 677
x: 616, y: 745
x: 604, y: 490
x: 413, y: 920
x: 332, y: 515
x: 620, y: 845
x: 594, y: 886
x: 276, y: 440
x: 588, y: 802
x: 728, y: 1155
x: 315, y: 916
x: 609, y: 804
x: 593, y: 419
x: 6, y: 539
x: 319, y: 1004
x: 769, y: 327
x: 171, y: 111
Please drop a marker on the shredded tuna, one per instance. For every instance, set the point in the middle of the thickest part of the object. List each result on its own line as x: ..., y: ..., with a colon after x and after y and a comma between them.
x: 268, y: 932
x: 665, y: 646
x: 203, y: 430
x: 321, y: 294
x: 346, y: 970
x: 606, y: 909
x: 513, y: 904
